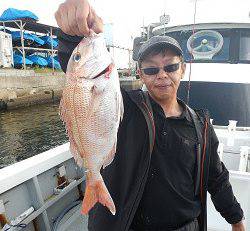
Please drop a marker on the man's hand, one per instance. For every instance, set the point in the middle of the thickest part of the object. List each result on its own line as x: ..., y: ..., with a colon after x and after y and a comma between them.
x: 238, y: 226
x: 77, y: 17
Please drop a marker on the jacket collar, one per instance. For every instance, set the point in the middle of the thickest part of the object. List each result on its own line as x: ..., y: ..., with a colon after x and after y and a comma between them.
x: 184, y: 115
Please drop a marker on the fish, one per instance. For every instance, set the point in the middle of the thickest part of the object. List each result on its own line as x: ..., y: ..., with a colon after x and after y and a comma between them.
x: 91, y: 107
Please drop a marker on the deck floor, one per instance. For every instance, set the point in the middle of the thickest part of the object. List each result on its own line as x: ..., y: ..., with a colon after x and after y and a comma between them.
x: 74, y: 220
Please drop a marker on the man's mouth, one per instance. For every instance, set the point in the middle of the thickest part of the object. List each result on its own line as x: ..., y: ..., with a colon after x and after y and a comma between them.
x: 162, y: 86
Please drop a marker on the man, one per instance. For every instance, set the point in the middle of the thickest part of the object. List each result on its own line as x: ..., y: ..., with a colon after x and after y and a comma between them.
x: 166, y: 157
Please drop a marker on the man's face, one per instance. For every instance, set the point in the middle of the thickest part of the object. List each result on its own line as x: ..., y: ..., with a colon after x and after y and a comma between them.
x: 164, y: 85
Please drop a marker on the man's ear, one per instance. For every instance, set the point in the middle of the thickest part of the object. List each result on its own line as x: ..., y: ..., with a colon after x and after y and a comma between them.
x: 183, y: 69
x: 139, y: 72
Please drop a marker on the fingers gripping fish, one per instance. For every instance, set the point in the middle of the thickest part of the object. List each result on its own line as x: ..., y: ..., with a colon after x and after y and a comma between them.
x: 91, y: 108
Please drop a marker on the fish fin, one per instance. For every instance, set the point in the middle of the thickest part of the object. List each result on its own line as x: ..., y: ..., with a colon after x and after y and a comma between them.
x: 74, y: 149
x: 62, y: 109
x: 110, y: 156
x: 97, y: 192
x: 100, y: 86
x: 75, y: 153
x: 69, y: 130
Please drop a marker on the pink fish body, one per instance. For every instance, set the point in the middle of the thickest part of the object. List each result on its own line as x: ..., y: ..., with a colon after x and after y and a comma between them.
x: 91, y: 108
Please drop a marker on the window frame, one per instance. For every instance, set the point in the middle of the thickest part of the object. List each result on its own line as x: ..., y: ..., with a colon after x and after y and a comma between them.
x: 239, y: 36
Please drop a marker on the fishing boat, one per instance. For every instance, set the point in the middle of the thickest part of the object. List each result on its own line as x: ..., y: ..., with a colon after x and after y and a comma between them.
x: 44, y: 192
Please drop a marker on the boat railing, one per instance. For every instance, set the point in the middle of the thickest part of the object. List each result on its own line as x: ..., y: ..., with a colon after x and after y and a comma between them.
x: 35, y: 176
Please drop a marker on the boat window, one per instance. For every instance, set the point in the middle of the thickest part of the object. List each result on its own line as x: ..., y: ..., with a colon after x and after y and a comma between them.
x: 244, y: 46
x: 204, y: 43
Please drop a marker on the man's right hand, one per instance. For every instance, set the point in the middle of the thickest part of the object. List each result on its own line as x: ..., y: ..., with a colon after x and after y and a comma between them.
x: 77, y: 17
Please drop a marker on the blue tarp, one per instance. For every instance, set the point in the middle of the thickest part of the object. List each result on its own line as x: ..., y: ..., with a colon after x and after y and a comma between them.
x: 47, y: 40
x: 18, y: 60
x: 56, y: 40
x: 56, y: 63
x: 37, y: 40
x: 38, y: 60
x: 16, y: 36
x: 13, y: 14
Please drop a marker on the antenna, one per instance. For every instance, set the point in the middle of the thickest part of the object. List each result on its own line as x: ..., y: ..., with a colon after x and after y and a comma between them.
x: 164, y: 20
x: 191, y: 55
x: 143, y: 26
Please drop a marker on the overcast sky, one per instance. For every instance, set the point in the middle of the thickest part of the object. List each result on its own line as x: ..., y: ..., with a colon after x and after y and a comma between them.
x: 128, y: 16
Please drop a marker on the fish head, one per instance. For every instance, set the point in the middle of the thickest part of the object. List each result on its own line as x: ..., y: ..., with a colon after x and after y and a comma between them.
x: 79, y: 57
x: 90, y: 57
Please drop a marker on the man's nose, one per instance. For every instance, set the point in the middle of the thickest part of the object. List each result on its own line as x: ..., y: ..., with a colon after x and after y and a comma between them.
x: 162, y: 74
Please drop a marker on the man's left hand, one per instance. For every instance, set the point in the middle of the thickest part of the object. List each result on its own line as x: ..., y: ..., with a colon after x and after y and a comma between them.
x: 238, y: 226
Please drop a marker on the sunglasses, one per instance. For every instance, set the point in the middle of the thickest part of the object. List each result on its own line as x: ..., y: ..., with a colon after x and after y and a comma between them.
x: 155, y: 70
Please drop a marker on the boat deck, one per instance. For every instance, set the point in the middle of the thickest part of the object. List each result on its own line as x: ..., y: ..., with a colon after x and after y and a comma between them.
x: 35, y: 180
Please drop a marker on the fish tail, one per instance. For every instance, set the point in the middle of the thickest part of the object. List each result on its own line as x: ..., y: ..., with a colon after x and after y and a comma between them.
x: 97, y: 192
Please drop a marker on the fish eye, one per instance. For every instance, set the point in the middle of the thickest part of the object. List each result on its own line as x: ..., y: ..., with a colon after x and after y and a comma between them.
x: 77, y: 57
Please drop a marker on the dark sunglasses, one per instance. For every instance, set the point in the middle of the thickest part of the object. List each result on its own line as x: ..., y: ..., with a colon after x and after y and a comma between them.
x: 155, y: 70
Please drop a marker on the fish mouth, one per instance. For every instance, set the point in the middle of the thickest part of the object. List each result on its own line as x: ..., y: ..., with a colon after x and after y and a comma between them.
x: 106, y: 70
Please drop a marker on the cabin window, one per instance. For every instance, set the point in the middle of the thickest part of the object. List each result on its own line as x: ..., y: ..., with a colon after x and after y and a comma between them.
x: 221, y: 56
x: 244, y: 46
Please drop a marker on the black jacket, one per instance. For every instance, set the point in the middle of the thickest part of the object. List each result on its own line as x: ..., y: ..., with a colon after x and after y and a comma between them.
x: 126, y: 176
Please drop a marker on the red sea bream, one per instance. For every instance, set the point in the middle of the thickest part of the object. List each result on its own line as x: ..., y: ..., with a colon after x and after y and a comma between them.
x: 91, y: 108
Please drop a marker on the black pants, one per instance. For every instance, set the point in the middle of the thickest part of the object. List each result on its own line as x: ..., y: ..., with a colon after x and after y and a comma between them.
x: 191, y: 226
